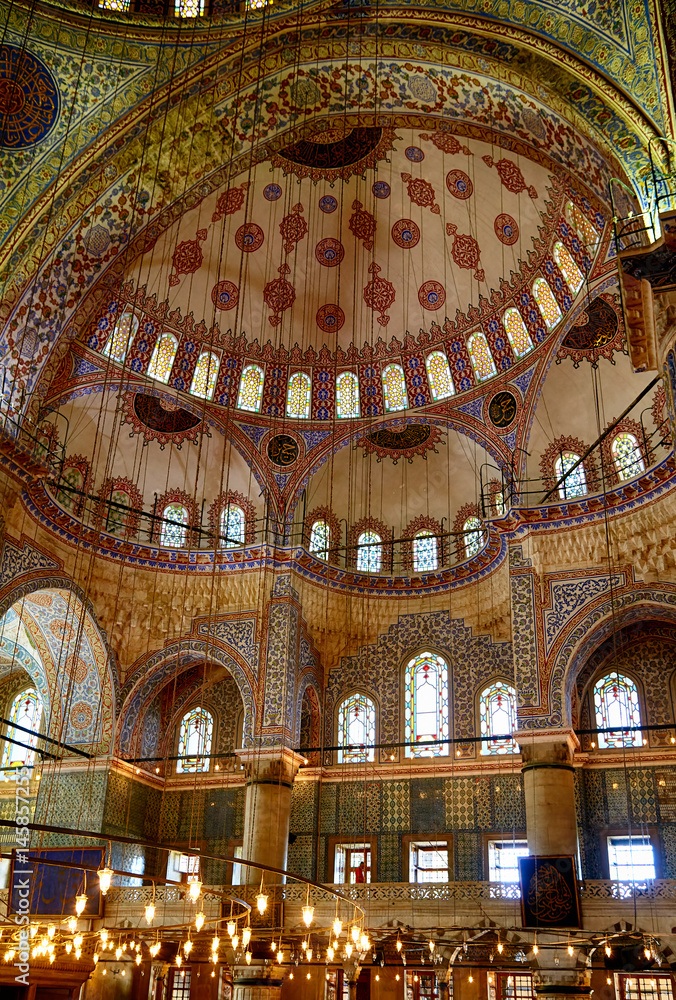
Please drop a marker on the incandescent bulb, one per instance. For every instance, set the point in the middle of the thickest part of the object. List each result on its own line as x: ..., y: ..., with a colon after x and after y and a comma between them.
x: 199, y: 921
x: 105, y: 879
x: 348, y: 949
x: 337, y: 926
x: 195, y: 888
x: 308, y: 914
x: 80, y: 903
x: 262, y: 902
x: 248, y: 958
x: 231, y: 927
x: 246, y: 937
x: 150, y: 912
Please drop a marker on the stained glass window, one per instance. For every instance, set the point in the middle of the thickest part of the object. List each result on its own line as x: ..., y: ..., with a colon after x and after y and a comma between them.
x: 394, y: 388
x: 72, y: 477
x: 499, y: 503
x: 627, y: 456
x: 497, y: 717
x: 356, y: 729
x: 439, y: 375
x: 575, y: 484
x: 123, y: 333
x: 547, y: 304
x: 206, y: 373
x: 320, y: 539
x: 117, y: 518
x: 347, y: 395
x: 568, y: 267
x: 194, y: 740
x: 174, y: 527
x: 584, y: 227
x: 519, y: 337
x: 233, y: 526
x: 425, y: 552
x: 474, y: 536
x: 369, y: 552
x: 481, y: 357
x: 256, y: 4
x: 162, y: 360
x: 26, y: 711
x: 298, y: 396
x: 426, y: 704
x: 616, y: 704
x: 188, y: 8
x: 251, y: 389
x: 121, y: 5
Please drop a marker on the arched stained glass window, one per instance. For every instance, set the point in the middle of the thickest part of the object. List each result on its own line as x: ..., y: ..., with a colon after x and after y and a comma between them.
x: 439, y: 375
x: 26, y: 711
x: 426, y: 704
x: 194, y: 740
x: 568, y: 267
x: 584, y: 227
x: 425, y: 558
x: 474, y: 536
x: 369, y: 552
x: 547, y: 304
x: 616, y: 704
x: 188, y: 8
x: 497, y: 717
x: 516, y: 330
x: 174, y: 526
x: 206, y: 373
x: 499, y: 503
x: 298, y: 396
x: 481, y: 357
x: 162, y: 359
x: 575, y: 484
x: 627, y: 456
x: 320, y: 539
x: 394, y: 388
x: 121, y: 5
x: 118, y: 518
x: 251, y: 389
x: 233, y: 526
x: 356, y: 729
x: 123, y: 333
x: 347, y: 395
x: 73, y: 478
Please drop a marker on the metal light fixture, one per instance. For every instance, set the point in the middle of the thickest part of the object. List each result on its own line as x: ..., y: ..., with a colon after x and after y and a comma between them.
x: 337, y: 926
x: 194, y: 889
x: 105, y: 879
x: 199, y: 921
x: 80, y: 903
x: 261, y: 899
x: 248, y: 958
x: 246, y: 937
x: 150, y: 913
x: 308, y: 914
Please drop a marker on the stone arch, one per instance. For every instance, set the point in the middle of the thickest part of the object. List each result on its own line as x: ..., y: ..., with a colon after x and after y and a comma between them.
x: 209, y: 697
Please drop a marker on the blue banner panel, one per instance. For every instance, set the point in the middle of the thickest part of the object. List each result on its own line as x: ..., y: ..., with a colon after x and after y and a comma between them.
x: 49, y: 890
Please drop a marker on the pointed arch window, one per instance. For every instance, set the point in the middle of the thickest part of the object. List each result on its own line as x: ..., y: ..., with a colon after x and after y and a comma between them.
x: 481, y: 357
x: 206, y: 372
x: 369, y: 552
x: 194, y: 740
x: 581, y: 223
x: 426, y: 705
x: 188, y: 8
x: 74, y: 478
x: 119, y: 5
x: 347, y: 395
x: 516, y: 330
x: 356, y: 729
x: 439, y: 375
x: 474, y: 536
x: 320, y: 539
x: 575, y: 483
x: 162, y: 359
x: 616, y: 704
x: 498, y: 503
x: 547, y: 304
x: 25, y: 712
x: 425, y: 552
x: 174, y: 526
x: 627, y: 456
x: 118, y: 517
x: 123, y: 333
x: 497, y: 718
x: 233, y: 526
x: 298, y: 396
x: 568, y: 267
x: 250, y: 393
x: 394, y: 388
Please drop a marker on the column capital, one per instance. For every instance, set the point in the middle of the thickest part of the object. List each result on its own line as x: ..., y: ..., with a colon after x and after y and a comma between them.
x: 270, y: 765
x: 547, y: 747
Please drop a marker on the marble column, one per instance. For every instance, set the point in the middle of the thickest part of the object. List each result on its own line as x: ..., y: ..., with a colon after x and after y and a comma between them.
x: 549, y: 792
x: 270, y: 775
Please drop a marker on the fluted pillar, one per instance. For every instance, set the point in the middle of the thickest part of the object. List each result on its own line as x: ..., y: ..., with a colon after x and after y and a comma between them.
x: 549, y: 791
x: 270, y: 775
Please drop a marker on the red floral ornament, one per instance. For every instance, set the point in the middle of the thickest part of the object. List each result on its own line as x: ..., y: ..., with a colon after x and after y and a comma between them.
x: 230, y: 201
x: 466, y: 251
x: 279, y: 295
x: 293, y: 228
x: 421, y: 193
x: 511, y: 176
x: 188, y: 256
x: 379, y: 294
x: 446, y: 142
x: 362, y: 224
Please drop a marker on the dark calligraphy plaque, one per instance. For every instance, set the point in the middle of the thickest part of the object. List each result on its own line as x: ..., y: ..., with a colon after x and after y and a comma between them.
x: 283, y: 450
x: 29, y: 98
x: 503, y: 408
x: 549, y: 892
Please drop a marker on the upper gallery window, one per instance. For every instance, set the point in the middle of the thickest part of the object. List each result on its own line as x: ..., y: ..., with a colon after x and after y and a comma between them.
x: 206, y: 373
x: 425, y: 559
x: 631, y: 859
x: 575, y: 483
x: 352, y: 863
x: 356, y: 729
x: 481, y: 357
x: 439, y: 375
x: 474, y: 536
x: 174, y: 526
x: 547, y: 304
x: 298, y: 396
x: 579, y: 221
x: 25, y: 712
x: 123, y: 333
x: 188, y: 8
x: 369, y: 552
x: 320, y: 539
x: 194, y: 740
x: 616, y: 705
x: 394, y: 388
x: 497, y: 716
x: 503, y: 860
x: 519, y: 337
x: 256, y: 4
x: 162, y: 359
x: 426, y: 705
x: 347, y: 395
x: 233, y: 525
x: 428, y: 862
x: 568, y: 267
x: 627, y: 456
x: 118, y: 517
x: 121, y: 5
x: 251, y: 389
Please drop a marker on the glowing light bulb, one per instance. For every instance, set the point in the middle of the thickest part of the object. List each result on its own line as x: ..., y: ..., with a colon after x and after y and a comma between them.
x: 105, y: 879
x: 261, y: 902
x: 399, y: 944
x: 354, y: 931
x: 280, y: 956
x: 215, y: 943
x: 308, y: 914
x: 150, y: 913
x: 199, y: 921
x: 397, y: 977
x: 647, y: 952
x: 194, y: 890
x: 138, y: 959
x: 330, y: 952
x: 72, y: 925
x: 337, y: 927
x: 104, y: 935
x: 95, y: 958
x: 246, y: 937
x: 78, y: 952
x: 609, y: 950
x: 364, y: 942
x: 348, y: 949
x: 535, y: 948
x: 52, y: 956
x: 471, y: 978
x: 608, y: 980
x: 307, y: 976
x: 500, y: 947
x: 431, y: 945
x: 248, y: 958
x: 309, y: 954
x: 77, y: 941
x: 178, y: 959
x: 80, y: 903
x: 51, y: 931
x: 570, y: 949
x: 69, y: 947
x: 291, y: 975
x: 118, y: 952
x: 235, y: 941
